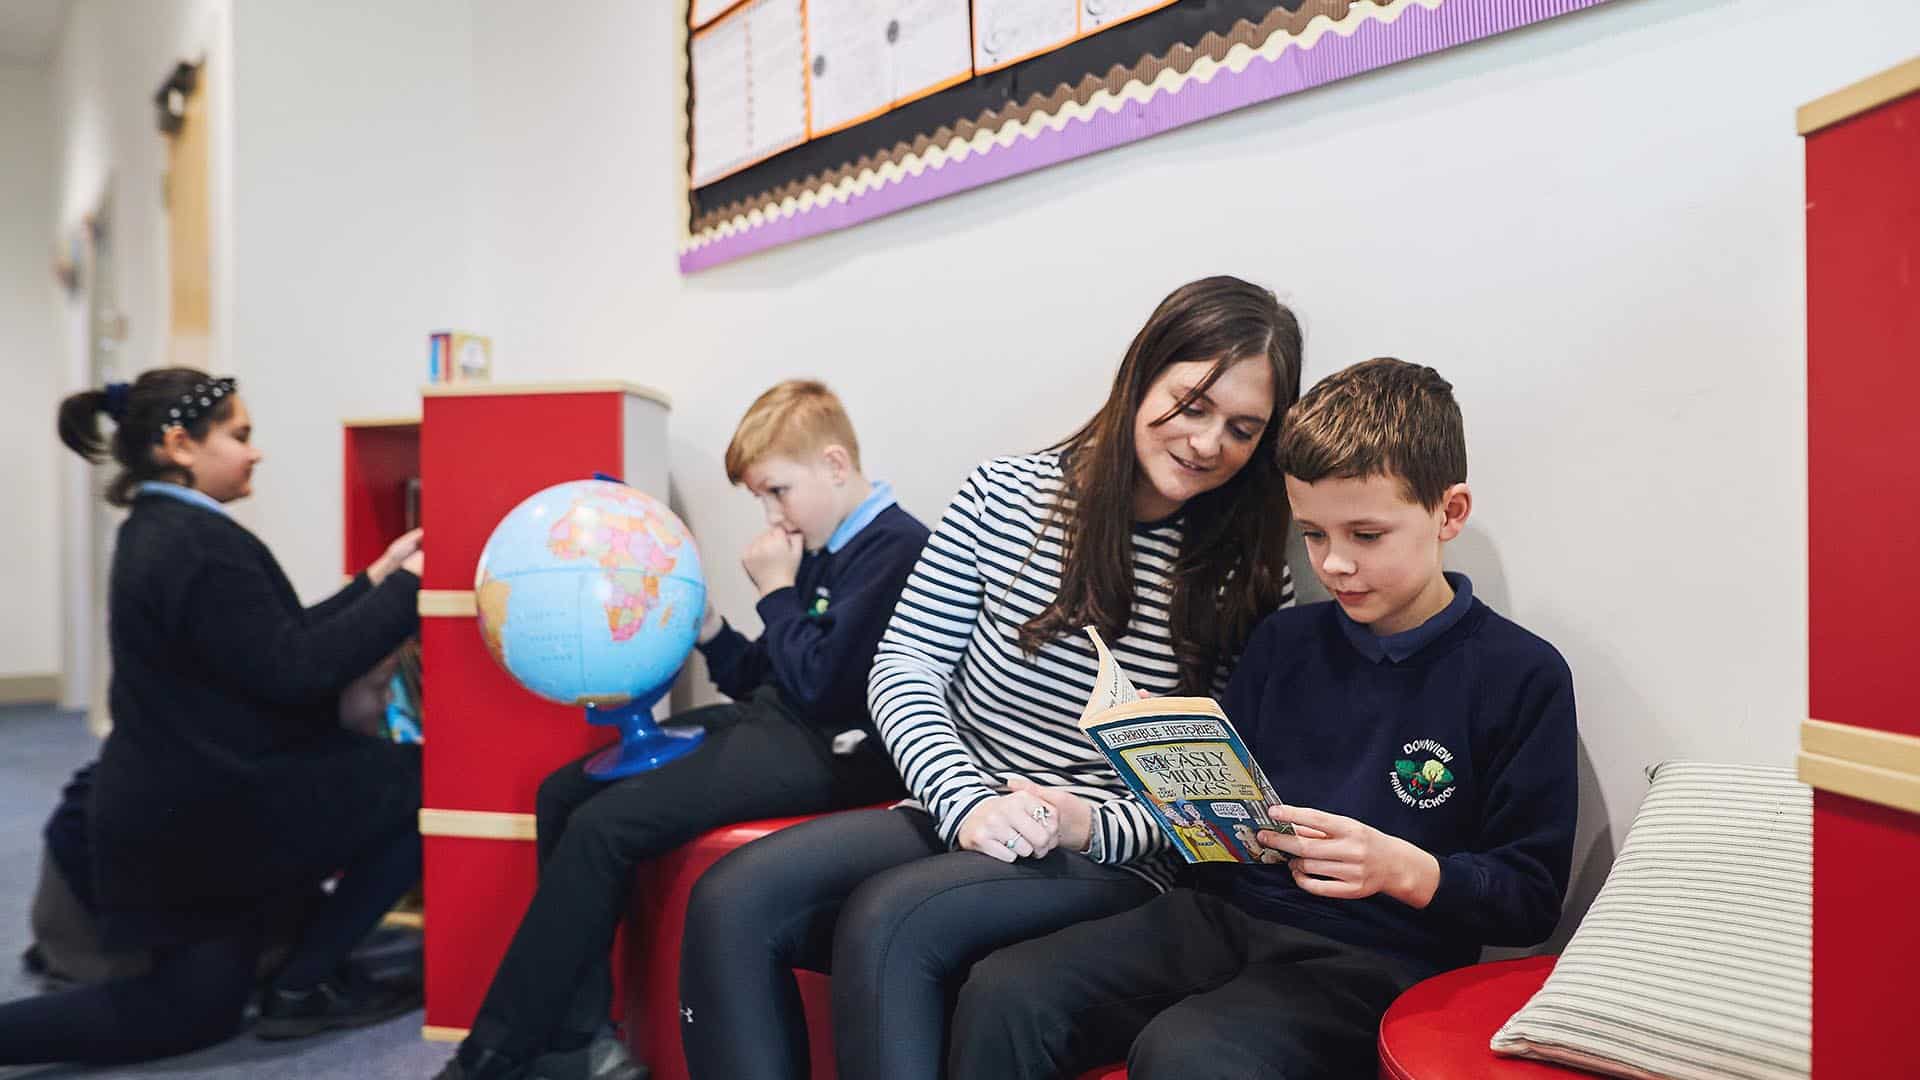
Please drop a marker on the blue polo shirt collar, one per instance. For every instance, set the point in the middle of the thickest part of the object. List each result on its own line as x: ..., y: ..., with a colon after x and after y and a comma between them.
x: 871, y: 507
x: 187, y: 495
x: 1398, y: 647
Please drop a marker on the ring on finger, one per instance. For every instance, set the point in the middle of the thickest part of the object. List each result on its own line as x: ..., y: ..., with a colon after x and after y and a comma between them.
x: 1041, y: 814
x: 1012, y: 843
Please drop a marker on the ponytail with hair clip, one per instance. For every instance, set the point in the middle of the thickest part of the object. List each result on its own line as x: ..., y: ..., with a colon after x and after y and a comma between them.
x: 113, y: 402
x: 143, y: 411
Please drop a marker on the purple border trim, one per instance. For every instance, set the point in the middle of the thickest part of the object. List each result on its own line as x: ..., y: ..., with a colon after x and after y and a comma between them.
x: 1374, y: 44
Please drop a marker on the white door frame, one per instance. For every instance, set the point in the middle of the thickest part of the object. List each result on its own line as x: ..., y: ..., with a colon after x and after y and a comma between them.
x: 94, y: 335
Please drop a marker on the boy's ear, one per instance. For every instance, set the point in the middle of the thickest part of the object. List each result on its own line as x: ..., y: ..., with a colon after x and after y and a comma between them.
x: 839, y: 462
x: 1456, y: 504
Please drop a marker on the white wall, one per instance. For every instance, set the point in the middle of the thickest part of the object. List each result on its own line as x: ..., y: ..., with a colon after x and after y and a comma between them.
x: 354, y: 237
x: 29, y: 535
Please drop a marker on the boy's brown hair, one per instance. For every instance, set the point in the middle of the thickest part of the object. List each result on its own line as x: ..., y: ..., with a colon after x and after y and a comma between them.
x: 795, y: 417
x: 1380, y: 417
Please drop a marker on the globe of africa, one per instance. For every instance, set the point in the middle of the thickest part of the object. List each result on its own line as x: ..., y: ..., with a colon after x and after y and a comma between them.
x: 590, y: 593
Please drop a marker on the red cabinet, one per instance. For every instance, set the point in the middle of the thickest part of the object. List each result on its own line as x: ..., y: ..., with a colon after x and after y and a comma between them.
x: 478, y: 450
x: 1861, y: 749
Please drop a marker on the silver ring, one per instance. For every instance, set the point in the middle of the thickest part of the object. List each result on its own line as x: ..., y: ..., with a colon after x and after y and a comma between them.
x: 1012, y: 844
x: 1040, y: 813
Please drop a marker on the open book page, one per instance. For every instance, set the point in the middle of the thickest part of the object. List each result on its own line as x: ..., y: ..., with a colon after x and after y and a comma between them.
x: 1182, y: 759
x: 1110, y: 685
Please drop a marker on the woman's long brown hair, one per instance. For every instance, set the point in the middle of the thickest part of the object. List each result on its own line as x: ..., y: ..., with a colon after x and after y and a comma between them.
x: 1229, y: 572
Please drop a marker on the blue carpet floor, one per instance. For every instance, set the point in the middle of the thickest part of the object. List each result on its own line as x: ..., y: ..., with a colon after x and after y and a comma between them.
x: 39, y: 748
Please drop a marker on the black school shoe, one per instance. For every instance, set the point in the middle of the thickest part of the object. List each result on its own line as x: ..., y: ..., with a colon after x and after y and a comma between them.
x: 605, y: 1058
x: 477, y: 1064
x: 332, y: 1003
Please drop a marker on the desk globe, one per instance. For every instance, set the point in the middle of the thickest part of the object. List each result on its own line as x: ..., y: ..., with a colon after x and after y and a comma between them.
x: 590, y: 593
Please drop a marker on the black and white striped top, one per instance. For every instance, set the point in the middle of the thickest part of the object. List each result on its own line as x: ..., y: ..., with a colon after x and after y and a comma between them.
x: 960, y: 706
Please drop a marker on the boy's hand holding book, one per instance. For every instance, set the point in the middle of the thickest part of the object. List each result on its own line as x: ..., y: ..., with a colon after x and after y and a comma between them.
x: 1345, y: 859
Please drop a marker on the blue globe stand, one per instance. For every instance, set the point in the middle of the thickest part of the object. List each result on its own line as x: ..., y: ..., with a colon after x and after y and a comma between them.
x: 644, y: 745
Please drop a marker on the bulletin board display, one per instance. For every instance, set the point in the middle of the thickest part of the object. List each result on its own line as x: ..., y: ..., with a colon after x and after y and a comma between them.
x: 803, y: 116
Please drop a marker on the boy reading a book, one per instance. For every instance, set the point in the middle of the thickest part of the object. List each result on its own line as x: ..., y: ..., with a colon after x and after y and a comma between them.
x: 1426, y: 747
x: 797, y: 738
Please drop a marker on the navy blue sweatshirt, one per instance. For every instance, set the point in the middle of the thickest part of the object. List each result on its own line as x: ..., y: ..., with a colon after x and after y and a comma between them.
x: 1457, y: 736
x: 228, y: 778
x: 822, y: 632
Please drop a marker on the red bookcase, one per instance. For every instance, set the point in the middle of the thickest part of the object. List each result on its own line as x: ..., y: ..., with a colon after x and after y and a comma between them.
x: 1861, y: 749
x: 478, y: 450
x: 381, y: 454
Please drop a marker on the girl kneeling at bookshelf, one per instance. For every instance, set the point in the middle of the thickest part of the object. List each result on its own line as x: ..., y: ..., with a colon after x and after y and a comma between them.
x: 228, y: 791
x: 1162, y: 522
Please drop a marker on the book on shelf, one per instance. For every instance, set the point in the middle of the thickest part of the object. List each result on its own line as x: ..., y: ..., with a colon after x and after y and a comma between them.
x: 454, y: 356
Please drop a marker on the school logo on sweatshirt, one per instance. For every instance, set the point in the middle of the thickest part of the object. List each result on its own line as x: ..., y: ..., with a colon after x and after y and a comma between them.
x: 1421, y: 779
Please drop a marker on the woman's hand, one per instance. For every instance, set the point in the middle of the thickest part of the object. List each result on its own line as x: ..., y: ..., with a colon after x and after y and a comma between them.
x: 1074, y: 814
x: 1009, y: 827
x: 1345, y: 859
x: 402, y: 554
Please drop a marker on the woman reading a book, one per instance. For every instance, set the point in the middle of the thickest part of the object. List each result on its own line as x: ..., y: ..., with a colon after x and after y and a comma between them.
x: 1162, y: 522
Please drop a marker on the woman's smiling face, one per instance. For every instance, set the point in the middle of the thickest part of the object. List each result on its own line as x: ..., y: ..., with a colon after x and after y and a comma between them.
x: 1203, y: 443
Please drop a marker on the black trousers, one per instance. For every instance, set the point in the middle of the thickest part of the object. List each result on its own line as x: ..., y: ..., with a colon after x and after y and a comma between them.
x: 553, y: 986
x: 876, y: 898
x: 196, y: 994
x: 1186, y: 986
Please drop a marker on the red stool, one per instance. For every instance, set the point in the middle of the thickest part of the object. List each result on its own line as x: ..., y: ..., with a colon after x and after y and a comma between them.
x: 652, y: 984
x: 1438, y: 1029
x: 660, y: 892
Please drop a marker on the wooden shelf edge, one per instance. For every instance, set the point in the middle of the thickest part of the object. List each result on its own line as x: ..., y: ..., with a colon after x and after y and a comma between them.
x: 601, y: 387
x: 1889, y: 750
x: 381, y: 421
x: 1869, y: 93
x: 442, y: 1034
x: 1868, y: 783
x: 448, y: 604
x: 477, y: 824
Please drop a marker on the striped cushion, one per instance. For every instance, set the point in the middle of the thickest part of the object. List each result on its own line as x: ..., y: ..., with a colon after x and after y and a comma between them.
x: 1696, y: 958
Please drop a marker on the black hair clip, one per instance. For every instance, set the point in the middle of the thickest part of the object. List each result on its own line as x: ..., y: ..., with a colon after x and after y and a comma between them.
x: 115, y: 405
x: 201, y: 399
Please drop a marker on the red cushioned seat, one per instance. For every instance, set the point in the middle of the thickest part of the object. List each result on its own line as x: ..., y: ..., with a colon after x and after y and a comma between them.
x: 1438, y: 1029
x: 660, y: 893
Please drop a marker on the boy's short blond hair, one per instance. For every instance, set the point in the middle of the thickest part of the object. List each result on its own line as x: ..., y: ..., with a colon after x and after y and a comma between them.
x: 1380, y: 417
x: 793, y: 418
